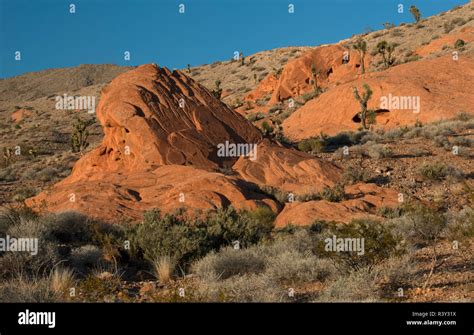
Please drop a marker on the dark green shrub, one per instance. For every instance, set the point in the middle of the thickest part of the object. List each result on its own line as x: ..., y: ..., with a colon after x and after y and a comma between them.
x: 379, y: 243
x: 185, y: 239
x: 459, y: 44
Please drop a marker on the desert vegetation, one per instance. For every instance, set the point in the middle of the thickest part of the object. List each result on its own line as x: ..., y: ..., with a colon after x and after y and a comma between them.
x: 231, y: 256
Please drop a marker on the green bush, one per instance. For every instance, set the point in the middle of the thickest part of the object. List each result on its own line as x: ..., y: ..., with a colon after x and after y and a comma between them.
x: 186, y: 239
x: 379, y: 243
x: 459, y: 44
x: 267, y: 129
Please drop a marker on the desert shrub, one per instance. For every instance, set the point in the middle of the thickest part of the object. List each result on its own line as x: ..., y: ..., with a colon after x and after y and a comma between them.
x: 26, y: 263
x: 266, y: 128
x: 186, y: 239
x: 292, y: 267
x: 459, y: 21
x: 459, y: 44
x: 228, y: 225
x: 390, y: 212
x: 358, y: 286
x: 246, y: 288
x: 397, y: 272
x: 21, y: 290
x: 430, y: 132
x: 47, y: 174
x: 397, y: 32
x: 419, y: 226
x: 463, y: 116
x: 379, y: 243
x: 345, y: 138
x: 437, y: 171
x: 288, y: 259
x: 311, y: 145
x: 460, y: 225
x: 7, y: 174
x: 333, y: 194
x: 419, y: 152
x: 85, y: 258
x: 169, y: 235
x: 23, y: 193
x: 378, y: 151
x: 371, y: 137
x: 463, y: 141
x: 441, y: 142
x: 263, y: 216
x: 13, y: 215
x: 255, y: 116
x: 69, y: 227
x: 449, y: 26
x: 310, y: 95
x: 229, y: 262
x: 353, y: 175
x: 413, y: 133
x: 308, y: 197
x: 396, y: 133
x: 274, y: 192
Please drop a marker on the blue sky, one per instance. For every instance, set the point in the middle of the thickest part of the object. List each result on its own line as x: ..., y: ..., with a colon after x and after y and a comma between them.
x: 100, y: 31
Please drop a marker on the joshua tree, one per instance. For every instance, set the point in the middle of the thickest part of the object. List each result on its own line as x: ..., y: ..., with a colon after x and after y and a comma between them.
x: 361, y: 47
x: 363, y: 103
x: 80, y: 134
x: 189, y: 68
x: 7, y: 156
x: 386, y: 50
x: 217, y: 92
x: 242, y: 58
x: 416, y: 13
